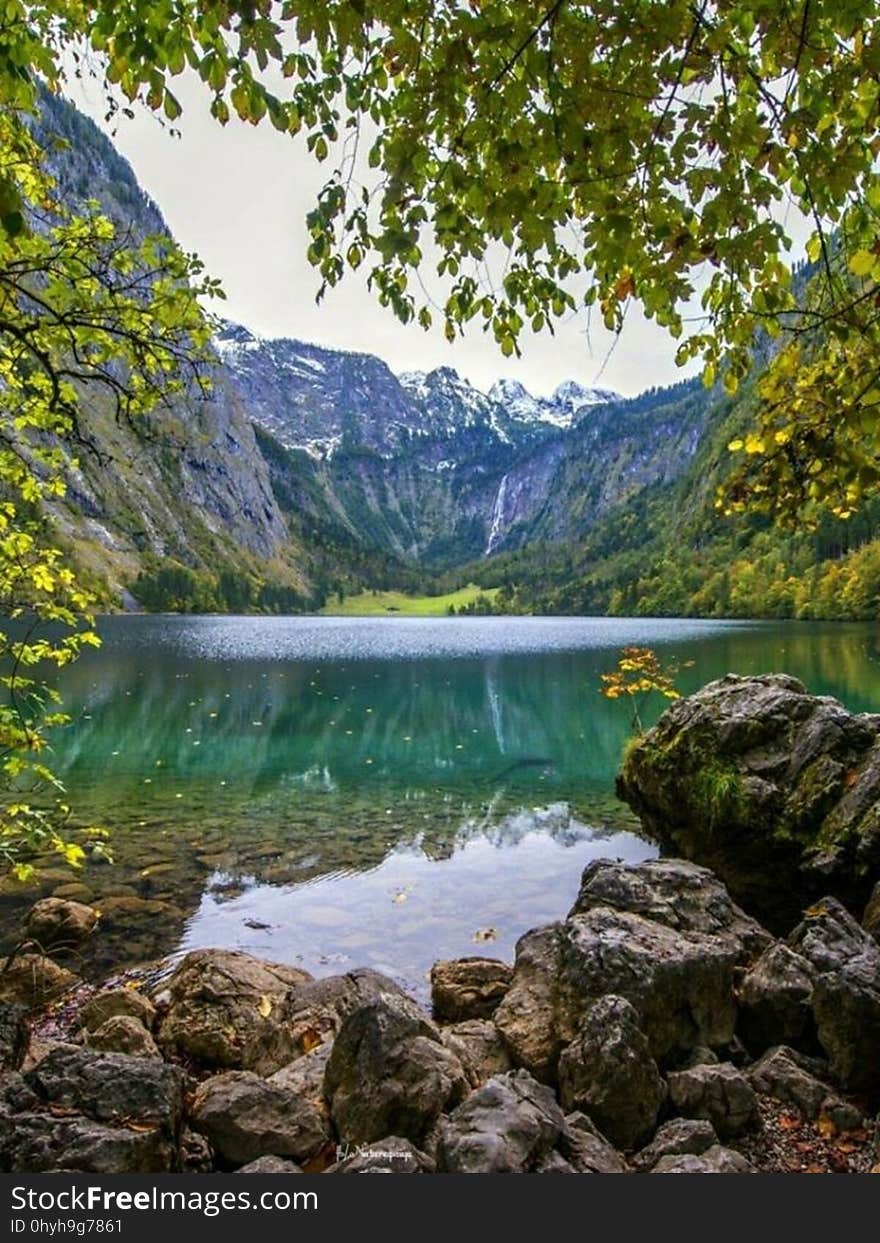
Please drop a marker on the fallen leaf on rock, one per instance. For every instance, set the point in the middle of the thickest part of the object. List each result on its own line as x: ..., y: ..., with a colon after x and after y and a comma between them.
x: 265, y: 1007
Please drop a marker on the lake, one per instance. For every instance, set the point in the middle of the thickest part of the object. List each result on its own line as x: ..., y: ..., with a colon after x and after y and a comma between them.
x: 335, y: 792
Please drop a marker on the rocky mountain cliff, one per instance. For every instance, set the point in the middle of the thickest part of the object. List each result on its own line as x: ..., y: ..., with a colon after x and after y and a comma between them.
x: 323, y: 470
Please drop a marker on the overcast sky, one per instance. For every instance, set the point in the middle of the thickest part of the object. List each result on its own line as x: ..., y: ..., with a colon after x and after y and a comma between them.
x: 238, y: 196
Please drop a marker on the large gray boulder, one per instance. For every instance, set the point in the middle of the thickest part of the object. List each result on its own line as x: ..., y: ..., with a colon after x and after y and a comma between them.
x: 720, y: 1094
x: 227, y: 1011
x: 775, y: 999
x: 102, y: 1113
x: 390, y: 1073
x: 679, y: 982
x: 315, y: 1011
x: 244, y: 1117
x: 506, y: 1127
x: 608, y: 1073
x: 774, y: 789
x: 846, y: 992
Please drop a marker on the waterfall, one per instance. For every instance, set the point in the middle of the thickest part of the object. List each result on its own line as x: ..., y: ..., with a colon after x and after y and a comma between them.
x: 497, y: 517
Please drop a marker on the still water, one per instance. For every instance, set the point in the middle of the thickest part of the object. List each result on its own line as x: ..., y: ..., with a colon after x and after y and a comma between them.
x: 336, y: 792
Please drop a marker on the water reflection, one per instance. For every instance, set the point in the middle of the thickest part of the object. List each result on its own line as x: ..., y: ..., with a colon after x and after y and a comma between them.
x: 264, y: 771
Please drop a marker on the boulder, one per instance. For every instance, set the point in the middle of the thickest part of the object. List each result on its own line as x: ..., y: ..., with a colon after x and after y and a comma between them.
x: 269, y: 1165
x: 679, y: 982
x: 14, y: 1035
x: 390, y: 1074
x: 586, y: 1149
x: 227, y: 1010
x: 675, y: 893
x: 314, y: 1012
x: 103, y: 1113
x: 608, y: 1073
x: 392, y: 1155
x: 244, y: 1117
x: 720, y: 1094
x: 791, y: 1078
x: 775, y: 1001
x: 680, y: 1137
x: 846, y: 992
x: 115, y: 1002
x: 506, y: 1127
x: 468, y: 988
x: 123, y: 1034
x: 715, y: 1160
x: 58, y: 923
x: 479, y: 1047
x: 775, y: 789
x: 32, y: 980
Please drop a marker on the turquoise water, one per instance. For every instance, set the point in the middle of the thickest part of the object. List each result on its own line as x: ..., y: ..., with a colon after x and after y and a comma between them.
x: 335, y: 791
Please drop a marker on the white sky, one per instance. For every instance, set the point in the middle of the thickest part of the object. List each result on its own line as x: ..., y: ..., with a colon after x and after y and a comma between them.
x: 238, y: 196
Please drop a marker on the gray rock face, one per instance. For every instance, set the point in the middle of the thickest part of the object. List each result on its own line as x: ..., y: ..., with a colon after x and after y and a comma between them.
x: 123, y: 1034
x: 392, y: 1155
x: 14, y: 1035
x: 92, y: 1112
x: 773, y: 788
x: 871, y: 917
x: 115, y: 1002
x: 680, y: 983
x: 245, y: 1117
x: 715, y: 1160
x: 608, y: 1073
x: 774, y: 1001
x: 791, y: 1078
x: 32, y: 980
x: 846, y: 992
x: 506, y: 1127
x: 675, y: 893
x: 680, y: 1137
x: 719, y: 1094
x: 587, y: 1150
x: 227, y: 1010
x: 315, y: 1011
x: 468, y: 988
x: 390, y: 1074
x: 56, y: 923
x: 480, y: 1049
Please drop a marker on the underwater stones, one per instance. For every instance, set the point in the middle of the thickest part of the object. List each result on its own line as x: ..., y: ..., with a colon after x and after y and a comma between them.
x: 468, y: 988
x: 773, y: 788
x: 390, y: 1074
x: 226, y: 1011
x: 33, y: 979
x: 607, y: 1072
x: 244, y: 1117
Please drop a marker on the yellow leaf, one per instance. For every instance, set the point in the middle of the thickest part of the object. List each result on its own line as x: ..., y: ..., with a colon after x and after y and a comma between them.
x: 265, y: 1007
x: 861, y: 263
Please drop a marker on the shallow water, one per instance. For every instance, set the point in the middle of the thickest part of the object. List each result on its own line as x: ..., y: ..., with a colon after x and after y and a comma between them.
x: 337, y: 791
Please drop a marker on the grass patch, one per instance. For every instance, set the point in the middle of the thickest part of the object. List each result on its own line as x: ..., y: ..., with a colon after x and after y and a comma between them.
x: 397, y: 603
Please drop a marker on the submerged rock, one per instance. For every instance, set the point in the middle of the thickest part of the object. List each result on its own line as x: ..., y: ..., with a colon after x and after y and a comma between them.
x: 32, y: 979
x: 58, y: 923
x: 468, y: 988
x: 227, y: 1010
x: 390, y: 1074
x: 775, y: 789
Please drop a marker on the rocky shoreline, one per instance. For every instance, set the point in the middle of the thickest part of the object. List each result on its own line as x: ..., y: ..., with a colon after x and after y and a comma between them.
x: 657, y: 1028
